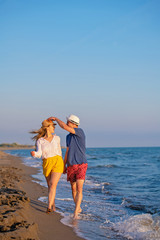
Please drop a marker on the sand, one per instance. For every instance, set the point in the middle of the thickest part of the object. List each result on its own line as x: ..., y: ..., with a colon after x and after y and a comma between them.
x: 22, y: 215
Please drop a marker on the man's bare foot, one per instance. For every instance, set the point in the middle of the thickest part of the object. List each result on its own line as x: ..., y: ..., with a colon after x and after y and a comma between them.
x: 75, y: 216
x: 80, y: 210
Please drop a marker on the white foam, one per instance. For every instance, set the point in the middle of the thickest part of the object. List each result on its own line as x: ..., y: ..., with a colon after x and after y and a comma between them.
x: 139, y: 227
x: 64, y: 199
x: 69, y: 221
x: 105, y: 183
x: 43, y: 199
x: 29, y: 158
x: 91, y: 183
x: 35, y: 165
x: 40, y: 183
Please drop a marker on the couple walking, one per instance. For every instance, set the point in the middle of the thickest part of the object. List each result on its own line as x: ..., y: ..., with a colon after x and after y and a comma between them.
x: 49, y: 148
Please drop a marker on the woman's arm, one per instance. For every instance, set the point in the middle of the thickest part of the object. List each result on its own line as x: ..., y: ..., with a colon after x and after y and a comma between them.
x: 38, y: 153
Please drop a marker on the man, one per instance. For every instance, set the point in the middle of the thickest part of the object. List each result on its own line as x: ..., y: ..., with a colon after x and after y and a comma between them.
x: 75, y: 158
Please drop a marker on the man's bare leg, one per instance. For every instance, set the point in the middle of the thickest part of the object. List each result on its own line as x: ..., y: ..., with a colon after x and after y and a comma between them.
x: 74, y: 194
x: 79, y: 196
x: 74, y: 190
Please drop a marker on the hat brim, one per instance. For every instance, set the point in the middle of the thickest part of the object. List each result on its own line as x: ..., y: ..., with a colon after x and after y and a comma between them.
x: 72, y: 121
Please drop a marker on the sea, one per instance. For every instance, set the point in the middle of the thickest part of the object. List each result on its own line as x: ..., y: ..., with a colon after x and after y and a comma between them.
x: 121, y: 196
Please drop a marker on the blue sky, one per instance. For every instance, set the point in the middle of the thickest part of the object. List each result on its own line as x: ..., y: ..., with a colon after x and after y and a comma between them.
x: 95, y: 59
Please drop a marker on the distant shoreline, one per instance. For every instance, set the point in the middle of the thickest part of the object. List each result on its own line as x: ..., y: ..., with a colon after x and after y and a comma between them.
x: 14, y: 146
x: 7, y: 146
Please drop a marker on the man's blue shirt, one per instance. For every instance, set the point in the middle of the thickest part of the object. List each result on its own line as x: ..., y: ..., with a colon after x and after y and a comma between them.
x: 77, y: 148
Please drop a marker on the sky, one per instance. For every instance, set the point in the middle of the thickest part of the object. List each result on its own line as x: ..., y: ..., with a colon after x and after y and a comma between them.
x: 97, y: 59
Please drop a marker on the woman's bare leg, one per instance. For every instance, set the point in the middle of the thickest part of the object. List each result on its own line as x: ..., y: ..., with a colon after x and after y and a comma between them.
x: 53, y: 181
x: 48, y: 183
x: 48, y: 180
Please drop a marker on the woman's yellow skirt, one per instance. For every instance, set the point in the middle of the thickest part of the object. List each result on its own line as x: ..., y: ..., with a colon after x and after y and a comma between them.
x: 53, y: 164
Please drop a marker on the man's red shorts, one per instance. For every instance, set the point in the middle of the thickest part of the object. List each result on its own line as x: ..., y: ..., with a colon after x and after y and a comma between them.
x: 76, y: 172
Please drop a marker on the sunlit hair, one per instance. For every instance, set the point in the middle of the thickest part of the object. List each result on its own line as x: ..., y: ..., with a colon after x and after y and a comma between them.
x: 43, y: 130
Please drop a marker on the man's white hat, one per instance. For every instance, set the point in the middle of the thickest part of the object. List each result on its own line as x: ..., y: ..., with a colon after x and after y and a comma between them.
x: 74, y: 119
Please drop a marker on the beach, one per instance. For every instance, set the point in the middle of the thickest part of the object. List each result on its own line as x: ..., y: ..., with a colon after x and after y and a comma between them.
x: 111, y: 209
x: 22, y: 215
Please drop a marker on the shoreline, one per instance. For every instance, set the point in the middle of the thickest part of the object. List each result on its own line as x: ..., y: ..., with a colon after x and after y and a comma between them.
x: 24, y: 205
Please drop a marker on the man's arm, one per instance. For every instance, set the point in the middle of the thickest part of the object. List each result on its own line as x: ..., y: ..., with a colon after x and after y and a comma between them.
x: 65, y: 160
x: 62, y: 125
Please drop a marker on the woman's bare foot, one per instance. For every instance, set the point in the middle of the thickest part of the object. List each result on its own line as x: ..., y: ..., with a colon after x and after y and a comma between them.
x: 49, y: 210
x: 54, y: 207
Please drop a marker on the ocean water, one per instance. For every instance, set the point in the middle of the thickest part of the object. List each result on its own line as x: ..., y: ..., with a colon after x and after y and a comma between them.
x: 121, y: 197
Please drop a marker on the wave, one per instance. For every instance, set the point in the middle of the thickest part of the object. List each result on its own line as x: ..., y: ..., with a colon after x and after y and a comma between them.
x: 97, y: 188
x: 140, y: 207
x: 69, y: 221
x: 92, y: 183
x: 104, y: 166
x: 43, y: 199
x: 44, y: 184
x: 64, y: 199
x: 35, y: 165
x: 29, y: 158
x: 139, y: 227
x: 29, y: 161
x: 91, y: 157
x: 129, y: 204
x: 105, y: 183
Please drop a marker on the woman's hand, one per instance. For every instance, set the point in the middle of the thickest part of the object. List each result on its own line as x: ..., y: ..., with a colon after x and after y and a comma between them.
x: 65, y: 170
x: 32, y: 153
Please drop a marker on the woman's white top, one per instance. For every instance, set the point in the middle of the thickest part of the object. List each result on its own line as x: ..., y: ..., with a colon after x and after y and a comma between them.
x: 46, y: 149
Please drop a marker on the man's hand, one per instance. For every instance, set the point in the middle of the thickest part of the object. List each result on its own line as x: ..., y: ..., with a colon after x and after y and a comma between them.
x: 51, y: 119
x: 32, y: 153
x: 62, y: 124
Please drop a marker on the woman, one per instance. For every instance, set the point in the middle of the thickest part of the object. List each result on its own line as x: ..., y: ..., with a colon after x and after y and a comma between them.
x: 49, y: 148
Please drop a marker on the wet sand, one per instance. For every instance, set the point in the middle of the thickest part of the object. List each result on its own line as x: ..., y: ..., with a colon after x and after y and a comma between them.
x: 22, y: 216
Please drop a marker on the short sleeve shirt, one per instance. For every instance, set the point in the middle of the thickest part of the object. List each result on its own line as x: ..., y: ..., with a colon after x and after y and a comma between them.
x: 77, y: 149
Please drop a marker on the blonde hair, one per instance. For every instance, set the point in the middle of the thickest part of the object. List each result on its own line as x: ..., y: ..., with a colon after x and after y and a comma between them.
x: 43, y: 130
